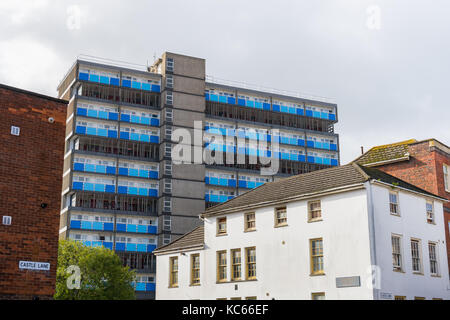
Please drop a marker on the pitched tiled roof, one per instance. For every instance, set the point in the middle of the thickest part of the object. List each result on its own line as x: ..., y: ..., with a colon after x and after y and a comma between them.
x: 293, y: 186
x: 288, y: 189
x: 189, y: 240
x: 386, y: 153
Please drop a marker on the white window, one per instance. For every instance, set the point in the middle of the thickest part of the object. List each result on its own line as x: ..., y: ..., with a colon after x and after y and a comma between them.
x: 166, y: 238
x: 416, y: 256
x: 167, y: 186
x: 169, y: 81
x: 169, y: 98
x: 393, y: 203
x: 446, y: 177
x: 430, y: 212
x: 168, y: 150
x: 169, y: 133
x: 168, y: 168
x: 167, y: 223
x: 397, y: 253
x: 169, y: 115
x: 434, y: 266
x: 170, y: 64
x: 167, y: 205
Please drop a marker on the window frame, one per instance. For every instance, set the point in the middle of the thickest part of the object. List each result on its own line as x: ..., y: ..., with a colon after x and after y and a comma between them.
x: 317, y: 294
x: 419, y: 251
x: 310, y: 212
x: 247, y: 263
x: 399, y: 268
x: 277, y: 222
x: 432, y: 220
x: 446, y: 175
x: 312, y: 256
x: 195, y: 281
x: 220, y: 232
x: 233, y: 264
x: 219, y: 266
x: 436, y: 254
x: 246, y: 221
x: 397, y: 213
x: 173, y: 284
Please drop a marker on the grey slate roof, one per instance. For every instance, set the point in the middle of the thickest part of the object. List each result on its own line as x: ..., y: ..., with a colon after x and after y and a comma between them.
x: 190, y: 239
x: 308, y: 183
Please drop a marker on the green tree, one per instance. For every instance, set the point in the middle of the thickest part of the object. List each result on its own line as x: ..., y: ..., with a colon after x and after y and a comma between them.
x: 102, y: 276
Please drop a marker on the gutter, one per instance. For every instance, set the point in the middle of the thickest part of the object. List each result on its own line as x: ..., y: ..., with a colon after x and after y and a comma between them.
x: 372, y: 239
x: 380, y: 163
x: 409, y: 190
x: 178, y: 250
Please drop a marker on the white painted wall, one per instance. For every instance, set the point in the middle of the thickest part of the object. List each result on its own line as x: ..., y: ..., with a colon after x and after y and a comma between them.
x: 283, y: 257
x: 412, y: 223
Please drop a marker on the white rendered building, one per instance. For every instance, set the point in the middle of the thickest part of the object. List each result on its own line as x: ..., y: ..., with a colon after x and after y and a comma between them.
x: 348, y: 232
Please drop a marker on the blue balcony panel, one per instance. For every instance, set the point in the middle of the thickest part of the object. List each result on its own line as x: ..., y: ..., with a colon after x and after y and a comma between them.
x: 120, y: 246
x: 112, y: 134
x: 121, y: 227
x: 104, y: 80
x: 80, y: 130
x: 114, y: 81
x: 75, y: 224
x: 83, y: 76
x: 94, y: 78
x: 154, y: 122
x: 81, y: 111
x: 110, y: 188
x: 108, y: 226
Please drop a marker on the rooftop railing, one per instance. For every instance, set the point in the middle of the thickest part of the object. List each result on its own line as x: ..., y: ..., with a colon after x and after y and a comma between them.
x: 105, y: 61
x: 256, y: 87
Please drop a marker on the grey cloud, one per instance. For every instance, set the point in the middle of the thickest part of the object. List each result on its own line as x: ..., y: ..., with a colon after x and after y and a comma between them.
x: 390, y: 84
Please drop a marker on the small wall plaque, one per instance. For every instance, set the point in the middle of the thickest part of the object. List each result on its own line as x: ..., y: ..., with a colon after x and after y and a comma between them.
x: 346, y: 282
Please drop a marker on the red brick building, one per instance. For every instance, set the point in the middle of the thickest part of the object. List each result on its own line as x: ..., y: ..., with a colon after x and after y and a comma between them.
x: 32, y: 131
x: 425, y: 164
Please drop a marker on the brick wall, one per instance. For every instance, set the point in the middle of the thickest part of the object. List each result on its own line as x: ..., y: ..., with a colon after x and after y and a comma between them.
x: 425, y: 170
x: 31, y: 168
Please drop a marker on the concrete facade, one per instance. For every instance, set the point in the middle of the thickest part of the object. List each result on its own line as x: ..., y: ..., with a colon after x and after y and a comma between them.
x: 130, y: 120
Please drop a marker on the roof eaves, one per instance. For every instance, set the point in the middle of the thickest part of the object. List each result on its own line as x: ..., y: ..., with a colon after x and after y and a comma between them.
x: 380, y: 163
x: 424, y: 193
x: 175, y: 250
x: 284, y: 200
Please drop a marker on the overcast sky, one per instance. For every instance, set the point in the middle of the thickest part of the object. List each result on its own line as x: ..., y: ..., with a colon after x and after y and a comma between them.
x: 385, y: 63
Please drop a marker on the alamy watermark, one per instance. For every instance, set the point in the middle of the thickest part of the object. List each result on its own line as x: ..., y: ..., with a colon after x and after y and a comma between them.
x: 213, y: 146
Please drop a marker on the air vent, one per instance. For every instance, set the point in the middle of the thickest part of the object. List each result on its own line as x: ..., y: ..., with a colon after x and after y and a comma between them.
x: 7, y: 220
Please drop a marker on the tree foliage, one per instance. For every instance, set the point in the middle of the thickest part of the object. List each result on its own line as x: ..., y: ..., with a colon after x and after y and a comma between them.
x: 102, y: 276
